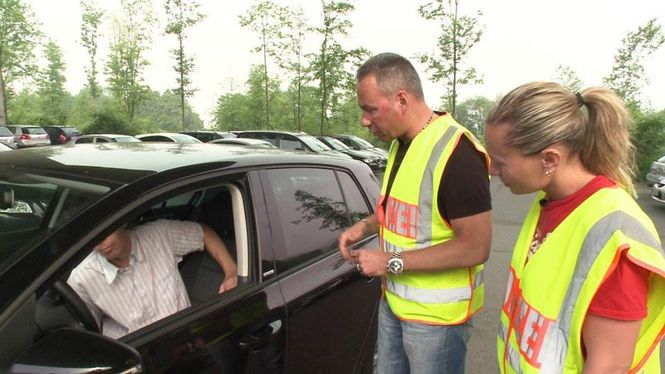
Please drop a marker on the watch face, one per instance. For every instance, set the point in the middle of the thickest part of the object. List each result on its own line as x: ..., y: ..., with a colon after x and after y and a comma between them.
x: 395, y: 265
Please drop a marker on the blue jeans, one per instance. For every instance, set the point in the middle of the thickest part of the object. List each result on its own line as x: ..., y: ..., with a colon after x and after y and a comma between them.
x: 416, y: 348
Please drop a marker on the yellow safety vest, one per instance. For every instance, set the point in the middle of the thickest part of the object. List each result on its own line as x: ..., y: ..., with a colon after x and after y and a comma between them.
x: 547, y: 300
x: 412, y: 220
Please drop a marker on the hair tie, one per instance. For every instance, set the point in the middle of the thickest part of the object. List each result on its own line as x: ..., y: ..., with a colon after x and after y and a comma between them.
x: 580, y: 100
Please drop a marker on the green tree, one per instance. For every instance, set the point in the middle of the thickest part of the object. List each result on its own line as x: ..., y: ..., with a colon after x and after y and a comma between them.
x: 18, y: 37
x: 458, y: 35
x: 628, y: 75
x: 332, y: 66
x: 649, y: 140
x: 106, y: 122
x: 51, y: 87
x: 472, y: 112
x: 126, y: 60
x: 161, y: 112
x: 232, y: 112
x: 567, y: 77
x: 266, y: 19
x: 25, y: 108
x: 91, y: 18
x: 182, y: 14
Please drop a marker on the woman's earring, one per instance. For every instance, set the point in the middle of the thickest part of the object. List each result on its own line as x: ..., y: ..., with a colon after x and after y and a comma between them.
x: 548, y: 172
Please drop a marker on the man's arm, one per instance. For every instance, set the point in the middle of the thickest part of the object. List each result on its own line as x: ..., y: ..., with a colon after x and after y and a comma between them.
x: 469, y: 247
x: 215, y: 246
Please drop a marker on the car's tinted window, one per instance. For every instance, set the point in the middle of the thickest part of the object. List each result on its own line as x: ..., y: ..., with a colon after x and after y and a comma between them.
x: 315, y: 144
x: 156, y: 139
x: 357, y: 206
x: 84, y: 140
x: 290, y: 143
x: 311, y: 211
x: 102, y: 140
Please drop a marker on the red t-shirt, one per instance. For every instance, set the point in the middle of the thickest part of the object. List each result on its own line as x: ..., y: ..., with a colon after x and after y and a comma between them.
x: 623, y: 295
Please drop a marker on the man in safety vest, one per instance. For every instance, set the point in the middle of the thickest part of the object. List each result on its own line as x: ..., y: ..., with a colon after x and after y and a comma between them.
x: 434, y: 222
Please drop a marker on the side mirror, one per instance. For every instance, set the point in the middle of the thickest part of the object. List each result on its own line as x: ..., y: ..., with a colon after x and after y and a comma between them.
x: 6, y: 198
x: 78, y: 351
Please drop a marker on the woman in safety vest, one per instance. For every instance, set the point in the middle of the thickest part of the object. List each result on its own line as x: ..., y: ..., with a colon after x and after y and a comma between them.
x: 586, y: 289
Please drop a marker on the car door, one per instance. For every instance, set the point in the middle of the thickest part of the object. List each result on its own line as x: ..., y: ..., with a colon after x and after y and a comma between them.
x: 331, y: 307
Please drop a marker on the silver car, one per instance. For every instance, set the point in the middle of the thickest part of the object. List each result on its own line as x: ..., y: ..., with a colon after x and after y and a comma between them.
x: 29, y: 136
x: 656, y: 171
x: 7, y: 137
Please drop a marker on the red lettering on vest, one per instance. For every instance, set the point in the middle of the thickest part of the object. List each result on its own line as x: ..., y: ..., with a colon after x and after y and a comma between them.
x: 529, y: 324
x: 401, y: 218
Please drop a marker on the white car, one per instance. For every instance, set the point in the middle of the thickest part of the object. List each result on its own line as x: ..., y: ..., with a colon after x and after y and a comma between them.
x: 106, y: 138
x: 168, y: 137
x: 658, y: 191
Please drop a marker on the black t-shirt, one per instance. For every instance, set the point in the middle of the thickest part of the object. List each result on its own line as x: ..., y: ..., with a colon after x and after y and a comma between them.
x: 464, y: 189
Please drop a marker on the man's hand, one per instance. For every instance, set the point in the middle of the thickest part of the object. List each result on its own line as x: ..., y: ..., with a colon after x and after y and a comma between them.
x: 370, y: 262
x: 228, y: 283
x: 354, y: 233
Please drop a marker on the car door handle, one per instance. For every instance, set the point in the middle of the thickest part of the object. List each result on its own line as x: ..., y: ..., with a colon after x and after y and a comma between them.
x: 260, y: 337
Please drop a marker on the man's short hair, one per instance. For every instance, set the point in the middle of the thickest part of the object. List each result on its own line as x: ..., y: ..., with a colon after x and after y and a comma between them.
x: 393, y: 72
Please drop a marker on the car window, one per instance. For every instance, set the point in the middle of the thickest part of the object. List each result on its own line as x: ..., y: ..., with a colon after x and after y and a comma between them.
x: 83, y: 140
x: 5, y: 131
x: 155, y: 138
x: 126, y: 139
x: 34, y: 130
x: 357, y: 206
x: 336, y: 144
x: 33, y: 205
x: 315, y: 144
x: 311, y: 211
x: 103, y: 140
x: 291, y: 144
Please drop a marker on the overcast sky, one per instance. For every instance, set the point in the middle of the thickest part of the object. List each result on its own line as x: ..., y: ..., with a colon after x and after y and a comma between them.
x: 523, y: 40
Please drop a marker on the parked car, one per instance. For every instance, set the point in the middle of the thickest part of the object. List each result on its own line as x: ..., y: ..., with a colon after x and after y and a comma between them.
x: 208, y: 135
x: 299, y: 307
x: 168, y: 137
x: 29, y: 136
x: 248, y: 142
x: 374, y: 161
x: 658, y: 191
x: 360, y: 144
x: 293, y: 141
x: 656, y: 171
x: 7, y: 137
x: 62, y: 134
x: 106, y: 138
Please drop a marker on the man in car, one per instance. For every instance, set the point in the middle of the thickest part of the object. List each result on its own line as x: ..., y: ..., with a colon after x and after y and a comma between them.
x: 131, y: 279
x: 434, y: 219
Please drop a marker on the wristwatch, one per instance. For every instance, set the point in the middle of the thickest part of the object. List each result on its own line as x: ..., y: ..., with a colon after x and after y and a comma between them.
x: 395, y: 263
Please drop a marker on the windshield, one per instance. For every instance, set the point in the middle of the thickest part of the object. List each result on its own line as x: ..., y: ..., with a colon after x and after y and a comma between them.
x: 336, y: 144
x: 126, y: 139
x: 33, y: 205
x: 182, y: 138
x: 364, y: 143
x: 314, y: 143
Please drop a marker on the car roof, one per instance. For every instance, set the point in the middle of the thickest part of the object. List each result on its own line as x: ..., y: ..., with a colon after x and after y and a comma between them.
x: 127, y: 162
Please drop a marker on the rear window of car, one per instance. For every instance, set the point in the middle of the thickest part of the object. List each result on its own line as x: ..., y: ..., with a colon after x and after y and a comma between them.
x: 33, y: 130
x: 70, y: 131
x: 5, y: 131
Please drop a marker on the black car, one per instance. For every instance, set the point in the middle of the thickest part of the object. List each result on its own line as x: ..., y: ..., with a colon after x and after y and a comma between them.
x: 298, y: 307
x: 208, y: 135
x: 62, y: 134
x: 374, y: 161
x: 293, y: 141
x: 360, y: 144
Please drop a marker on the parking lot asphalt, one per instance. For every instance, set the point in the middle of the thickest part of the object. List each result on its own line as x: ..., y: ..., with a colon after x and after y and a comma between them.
x: 508, y: 214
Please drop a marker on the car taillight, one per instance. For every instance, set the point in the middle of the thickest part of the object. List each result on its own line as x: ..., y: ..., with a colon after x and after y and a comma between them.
x: 25, y: 137
x: 63, y: 139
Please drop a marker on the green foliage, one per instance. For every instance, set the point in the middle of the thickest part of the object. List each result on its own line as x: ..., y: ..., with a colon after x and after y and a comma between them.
x: 91, y: 18
x: 24, y: 109
x: 471, y: 113
x: 161, y: 113
x: 126, y: 61
x: 567, y: 77
x: 458, y: 35
x: 649, y: 140
x: 18, y: 37
x: 51, y: 88
x: 628, y: 75
x: 108, y: 123
x: 182, y: 14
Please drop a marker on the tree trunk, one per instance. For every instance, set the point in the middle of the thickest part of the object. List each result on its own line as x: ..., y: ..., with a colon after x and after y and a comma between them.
x: 3, y: 106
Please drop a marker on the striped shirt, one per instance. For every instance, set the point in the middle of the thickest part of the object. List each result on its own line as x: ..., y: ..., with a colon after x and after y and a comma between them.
x: 150, y: 288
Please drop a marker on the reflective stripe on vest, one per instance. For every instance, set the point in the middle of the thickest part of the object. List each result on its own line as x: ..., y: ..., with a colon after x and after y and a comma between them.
x: 554, y: 349
x: 435, y: 295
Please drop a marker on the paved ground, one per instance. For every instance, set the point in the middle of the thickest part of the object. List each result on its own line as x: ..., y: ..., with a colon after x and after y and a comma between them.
x: 509, y: 211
